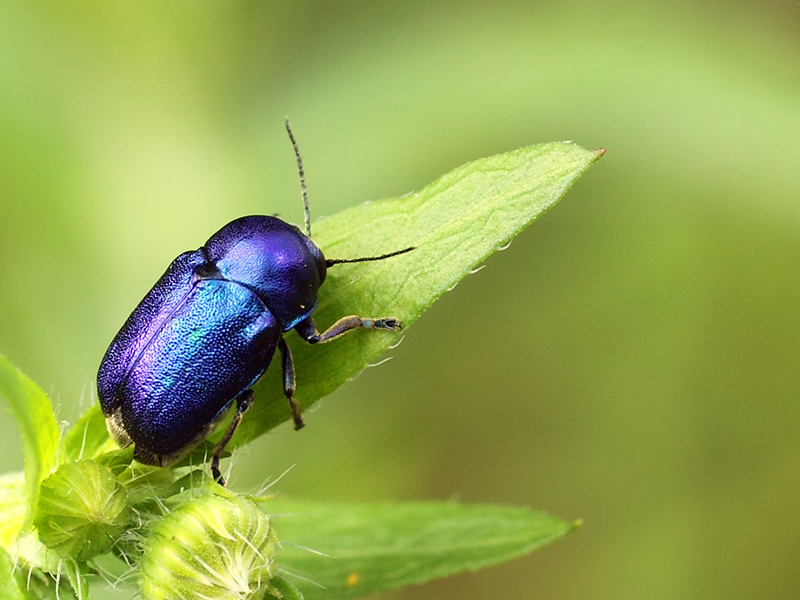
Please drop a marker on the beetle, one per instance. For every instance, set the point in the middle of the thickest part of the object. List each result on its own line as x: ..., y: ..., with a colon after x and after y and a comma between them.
x: 208, y: 330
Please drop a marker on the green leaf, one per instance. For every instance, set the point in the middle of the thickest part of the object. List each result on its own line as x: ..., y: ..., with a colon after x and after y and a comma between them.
x: 352, y: 550
x: 283, y: 590
x: 20, y: 580
x: 88, y: 437
x: 9, y: 588
x: 37, y: 424
x: 77, y: 579
x: 455, y: 223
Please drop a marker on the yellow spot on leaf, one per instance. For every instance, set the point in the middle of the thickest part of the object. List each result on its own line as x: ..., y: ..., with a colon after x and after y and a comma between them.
x: 352, y: 579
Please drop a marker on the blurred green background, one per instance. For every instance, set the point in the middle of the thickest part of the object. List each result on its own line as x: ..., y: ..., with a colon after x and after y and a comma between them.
x: 631, y: 360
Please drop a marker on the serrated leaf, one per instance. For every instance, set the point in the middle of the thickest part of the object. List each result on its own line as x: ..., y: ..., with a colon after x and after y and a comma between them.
x: 38, y: 427
x: 76, y: 576
x: 339, y: 551
x: 455, y: 223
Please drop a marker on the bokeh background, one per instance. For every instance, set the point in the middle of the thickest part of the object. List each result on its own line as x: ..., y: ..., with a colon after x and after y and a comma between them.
x: 632, y: 360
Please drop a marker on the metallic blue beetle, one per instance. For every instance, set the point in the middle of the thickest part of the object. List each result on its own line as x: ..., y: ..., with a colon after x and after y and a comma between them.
x: 208, y: 330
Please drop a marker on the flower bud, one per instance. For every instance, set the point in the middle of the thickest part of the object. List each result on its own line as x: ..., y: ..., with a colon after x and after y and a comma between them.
x: 209, y: 547
x: 82, y: 510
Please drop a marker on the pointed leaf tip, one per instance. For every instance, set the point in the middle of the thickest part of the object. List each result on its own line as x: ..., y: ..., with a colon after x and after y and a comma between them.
x: 38, y: 427
x: 454, y: 223
x: 361, y: 549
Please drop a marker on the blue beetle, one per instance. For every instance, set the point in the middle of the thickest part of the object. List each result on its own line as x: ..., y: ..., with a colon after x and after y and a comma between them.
x: 208, y: 330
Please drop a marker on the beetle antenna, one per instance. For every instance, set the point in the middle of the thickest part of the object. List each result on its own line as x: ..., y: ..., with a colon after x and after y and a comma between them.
x: 338, y: 261
x: 303, y: 190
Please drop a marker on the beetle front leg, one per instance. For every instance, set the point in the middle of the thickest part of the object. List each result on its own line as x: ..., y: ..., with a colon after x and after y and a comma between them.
x: 309, y: 332
x: 243, y: 403
x: 290, y: 384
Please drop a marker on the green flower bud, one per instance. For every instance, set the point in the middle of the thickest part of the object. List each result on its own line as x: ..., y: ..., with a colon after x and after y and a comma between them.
x: 210, y: 547
x: 82, y: 510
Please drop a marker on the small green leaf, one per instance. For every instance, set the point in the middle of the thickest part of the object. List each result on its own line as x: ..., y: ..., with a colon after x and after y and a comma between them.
x: 77, y: 579
x: 37, y: 424
x: 353, y: 550
x: 455, y: 223
x: 9, y: 587
x: 88, y: 437
x: 21, y: 580
x: 28, y: 556
x: 283, y: 590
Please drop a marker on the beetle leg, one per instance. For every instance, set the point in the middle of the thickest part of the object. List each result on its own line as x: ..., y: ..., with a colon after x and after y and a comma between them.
x: 243, y: 402
x: 290, y: 384
x: 309, y: 332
